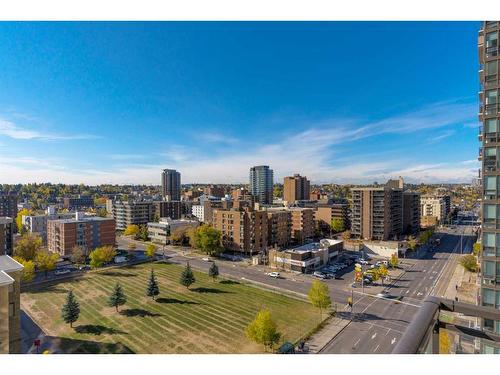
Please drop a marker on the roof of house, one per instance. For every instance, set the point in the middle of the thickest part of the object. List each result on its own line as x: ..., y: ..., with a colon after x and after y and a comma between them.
x: 8, y: 264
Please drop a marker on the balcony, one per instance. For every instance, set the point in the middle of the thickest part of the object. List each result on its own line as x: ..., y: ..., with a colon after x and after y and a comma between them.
x: 422, y: 335
x: 480, y: 135
x: 480, y: 156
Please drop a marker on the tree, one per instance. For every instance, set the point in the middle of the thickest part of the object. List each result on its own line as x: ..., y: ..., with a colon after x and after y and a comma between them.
x: 142, y: 235
x: 153, y: 289
x: 101, y: 212
x: 263, y: 330
x: 156, y: 218
x: 28, y: 246
x: 179, y: 236
x: 19, y: 219
x: 213, y: 271
x: 383, y: 272
x: 117, y: 298
x: 337, y: 225
x: 207, y: 239
x: 319, y: 296
x: 394, y: 261
x: 346, y: 235
x: 46, y: 261
x: 77, y: 255
x: 150, y: 250
x: 101, y: 255
x: 469, y: 262
x: 375, y: 274
x: 131, y: 230
x: 187, y: 276
x: 28, y: 270
x: 71, y: 309
x: 412, y: 243
x: 476, y: 248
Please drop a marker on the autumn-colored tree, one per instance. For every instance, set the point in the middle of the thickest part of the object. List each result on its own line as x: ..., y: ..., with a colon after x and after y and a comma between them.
x: 19, y: 219
x: 383, y: 272
x: 337, y: 225
x: 28, y: 270
x: 131, y: 230
x: 346, y: 235
x: 150, y: 250
x: 101, y: 255
x: 476, y: 248
x: 207, y: 239
x: 319, y: 296
x: 46, y: 261
x: 263, y: 330
x: 394, y: 261
x: 77, y: 255
x: 28, y: 246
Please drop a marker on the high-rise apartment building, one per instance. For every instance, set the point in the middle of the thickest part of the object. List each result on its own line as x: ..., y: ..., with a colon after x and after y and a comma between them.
x: 411, y: 212
x: 243, y: 229
x: 261, y: 184
x: 86, y: 232
x: 10, y: 305
x: 279, y: 228
x: 131, y: 212
x: 171, y: 184
x: 377, y: 213
x: 296, y: 188
x: 8, y: 204
x: 303, y: 225
x: 170, y: 209
x: 434, y: 209
x: 489, y: 135
x: 325, y: 213
x: 6, y: 236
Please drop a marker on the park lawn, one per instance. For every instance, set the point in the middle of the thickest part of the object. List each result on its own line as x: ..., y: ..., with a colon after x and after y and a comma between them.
x: 210, y: 317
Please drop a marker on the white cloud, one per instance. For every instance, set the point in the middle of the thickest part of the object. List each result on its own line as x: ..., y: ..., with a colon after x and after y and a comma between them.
x: 11, y: 130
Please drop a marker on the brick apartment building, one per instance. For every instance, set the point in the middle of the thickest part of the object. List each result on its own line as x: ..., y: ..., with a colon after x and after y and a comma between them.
x: 279, y: 228
x: 87, y: 232
x: 8, y: 204
x: 243, y: 229
x: 78, y: 203
x: 325, y: 213
x: 171, y: 209
x: 303, y: 224
x: 377, y: 213
x: 296, y: 188
x: 10, y: 305
x: 411, y: 212
x: 6, y: 236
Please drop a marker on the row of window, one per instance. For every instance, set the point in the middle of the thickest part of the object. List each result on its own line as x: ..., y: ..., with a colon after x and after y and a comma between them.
x: 491, y: 269
x: 491, y: 244
x: 491, y: 298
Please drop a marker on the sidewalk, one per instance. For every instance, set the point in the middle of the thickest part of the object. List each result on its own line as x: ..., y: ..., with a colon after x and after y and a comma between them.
x: 326, y: 334
x: 462, y: 285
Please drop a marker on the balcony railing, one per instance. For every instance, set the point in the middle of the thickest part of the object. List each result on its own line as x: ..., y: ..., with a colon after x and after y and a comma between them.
x: 422, y: 335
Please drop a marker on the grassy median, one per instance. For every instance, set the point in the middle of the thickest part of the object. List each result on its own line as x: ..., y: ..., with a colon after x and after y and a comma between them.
x: 210, y: 317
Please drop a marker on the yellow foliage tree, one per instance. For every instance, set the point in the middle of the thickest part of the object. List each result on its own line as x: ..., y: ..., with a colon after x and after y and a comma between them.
x: 131, y: 230
x: 19, y: 219
x: 28, y: 246
x: 150, y: 250
x: 319, y: 296
x: 28, y: 270
x: 46, y: 261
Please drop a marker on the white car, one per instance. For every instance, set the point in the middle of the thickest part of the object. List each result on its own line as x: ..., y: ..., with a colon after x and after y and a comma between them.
x: 276, y: 275
x: 206, y: 259
x: 382, y: 294
x: 362, y: 261
x: 62, y: 271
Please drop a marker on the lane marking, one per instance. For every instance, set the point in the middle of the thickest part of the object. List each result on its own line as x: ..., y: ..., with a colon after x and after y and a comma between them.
x: 374, y: 335
x: 357, y: 342
x: 376, y: 349
x: 393, y: 341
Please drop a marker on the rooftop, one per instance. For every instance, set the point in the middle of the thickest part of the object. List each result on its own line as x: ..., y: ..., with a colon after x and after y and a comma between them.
x: 8, y: 264
x: 5, y: 279
x: 314, y: 246
x: 5, y: 220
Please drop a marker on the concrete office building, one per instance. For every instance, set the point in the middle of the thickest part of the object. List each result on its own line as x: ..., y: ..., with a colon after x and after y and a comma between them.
x: 377, y: 213
x: 78, y: 203
x: 411, y: 212
x: 303, y: 225
x: 86, y: 232
x: 132, y: 212
x: 10, y: 305
x: 160, y: 232
x: 489, y: 135
x: 261, y: 184
x: 171, y: 185
x: 243, y: 229
x: 6, y: 236
x: 203, y: 211
x: 296, y: 188
x: 8, y: 204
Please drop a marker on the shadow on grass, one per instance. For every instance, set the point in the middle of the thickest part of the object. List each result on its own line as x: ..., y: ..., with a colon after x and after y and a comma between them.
x: 118, y: 274
x: 65, y: 345
x: 138, y: 312
x: 175, y: 300
x: 229, y: 282
x: 97, y: 329
x: 208, y: 290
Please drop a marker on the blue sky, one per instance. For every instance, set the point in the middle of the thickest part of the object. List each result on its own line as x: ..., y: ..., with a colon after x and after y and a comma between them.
x: 336, y: 101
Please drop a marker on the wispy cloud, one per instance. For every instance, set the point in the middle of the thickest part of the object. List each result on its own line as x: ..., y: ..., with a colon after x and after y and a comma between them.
x: 213, y: 137
x: 440, y: 136
x: 14, y: 131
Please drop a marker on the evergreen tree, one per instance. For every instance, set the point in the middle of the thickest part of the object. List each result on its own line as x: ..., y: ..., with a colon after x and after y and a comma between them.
x: 153, y: 289
x: 213, y: 272
x: 71, y: 309
x: 187, y: 276
x: 117, y: 298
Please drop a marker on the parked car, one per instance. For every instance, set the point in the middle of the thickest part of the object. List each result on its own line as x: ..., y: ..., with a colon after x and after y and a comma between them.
x: 382, y: 294
x: 367, y: 281
x: 276, y: 275
x: 207, y: 259
x: 84, y: 267
x: 62, y: 271
x: 320, y: 275
x: 337, y: 276
x: 364, y: 262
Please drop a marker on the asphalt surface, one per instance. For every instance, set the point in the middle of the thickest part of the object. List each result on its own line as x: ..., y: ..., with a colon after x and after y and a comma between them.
x: 377, y: 323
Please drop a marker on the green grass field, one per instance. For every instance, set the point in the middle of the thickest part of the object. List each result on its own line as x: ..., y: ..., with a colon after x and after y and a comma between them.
x: 208, y: 318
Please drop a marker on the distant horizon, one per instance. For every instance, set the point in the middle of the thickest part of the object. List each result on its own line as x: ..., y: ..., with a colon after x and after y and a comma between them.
x: 114, y: 103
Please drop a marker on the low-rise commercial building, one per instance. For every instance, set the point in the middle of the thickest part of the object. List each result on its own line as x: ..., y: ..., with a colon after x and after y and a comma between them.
x: 160, y: 232
x: 306, y: 258
x: 6, y: 236
x: 10, y: 305
x: 86, y: 232
x: 243, y: 229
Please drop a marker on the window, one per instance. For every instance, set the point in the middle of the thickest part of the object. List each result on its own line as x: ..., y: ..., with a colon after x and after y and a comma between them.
x: 491, y: 126
x: 488, y: 297
x: 11, y: 309
x: 491, y: 39
x: 488, y: 269
x: 490, y: 152
x: 491, y: 68
x: 491, y: 96
x: 490, y: 211
x: 489, y: 244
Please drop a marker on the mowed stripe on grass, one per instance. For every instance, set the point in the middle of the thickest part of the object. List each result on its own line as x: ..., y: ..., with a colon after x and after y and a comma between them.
x: 210, y: 317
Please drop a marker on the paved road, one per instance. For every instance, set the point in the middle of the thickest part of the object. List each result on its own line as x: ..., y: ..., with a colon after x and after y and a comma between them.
x: 380, y: 323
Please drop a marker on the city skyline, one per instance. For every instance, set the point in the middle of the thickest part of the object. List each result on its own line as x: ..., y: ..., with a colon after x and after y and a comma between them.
x: 213, y: 107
